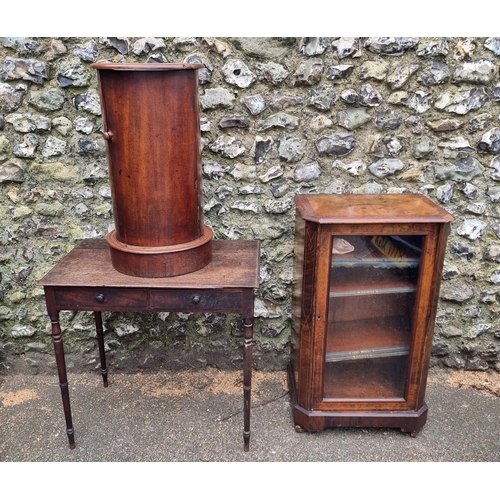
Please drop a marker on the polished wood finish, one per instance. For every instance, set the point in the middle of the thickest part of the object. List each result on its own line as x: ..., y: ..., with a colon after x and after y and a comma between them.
x: 151, y: 123
x: 85, y: 280
x: 364, y: 320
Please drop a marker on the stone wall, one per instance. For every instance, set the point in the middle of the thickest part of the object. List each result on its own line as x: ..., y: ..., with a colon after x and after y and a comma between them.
x: 279, y: 116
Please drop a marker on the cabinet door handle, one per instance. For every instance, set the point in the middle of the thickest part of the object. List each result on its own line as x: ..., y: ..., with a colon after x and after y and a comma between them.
x: 99, y: 298
x: 196, y: 299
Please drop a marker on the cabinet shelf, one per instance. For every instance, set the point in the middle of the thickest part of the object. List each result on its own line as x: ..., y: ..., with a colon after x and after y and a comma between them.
x: 366, y: 339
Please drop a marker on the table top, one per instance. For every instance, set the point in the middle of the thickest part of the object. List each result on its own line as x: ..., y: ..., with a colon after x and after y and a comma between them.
x: 234, y: 264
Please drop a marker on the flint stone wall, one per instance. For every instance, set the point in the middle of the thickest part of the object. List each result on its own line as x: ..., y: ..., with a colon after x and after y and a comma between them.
x: 280, y: 116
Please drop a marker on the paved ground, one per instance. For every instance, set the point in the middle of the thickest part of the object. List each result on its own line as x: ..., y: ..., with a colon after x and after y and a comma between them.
x: 197, y: 416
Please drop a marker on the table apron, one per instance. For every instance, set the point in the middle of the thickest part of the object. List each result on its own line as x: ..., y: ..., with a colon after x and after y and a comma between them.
x: 77, y: 298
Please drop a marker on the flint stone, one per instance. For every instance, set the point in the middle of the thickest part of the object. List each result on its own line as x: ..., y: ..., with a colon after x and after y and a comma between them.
x: 368, y: 96
x: 391, y: 46
x: 445, y: 193
x: 89, y: 101
x: 71, y: 73
x: 318, y: 123
x: 255, y: 104
x: 54, y: 147
x: 282, y: 101
x: 20, y: 44
x: 419, y: 101
x: 28, y: 147
x: 463, y: 251
x: 490, y: 142
x: 472, y: 229
x: 464, y: 169
x: 495, y: 165
x: 19, y: 212
x: 250, y: 190
x: 347, y: 46
x: 10, y: 97
x: 291, y: 148
x: 245, y: 206
x: 147, y: 45
x: 433, y: 48
x: 280, y: 188
x: 47, y: 99
x: 280, y: 120
x: 311, y: 46
x: 237, y: 73
x: 12, y: 171
x: 31, y: 70
x: 205, y: 73
x: 476, y: 208
x: 234, y: 121
x: 309, y: 72
x: 457, y: 144
x: 414, y: 123
x: 260, y: 148
x: 374, y: 70
x: 493, y: 253
x: 446, y: 125
x: 272, y: 173
x: 353, y: 118
x: 227, y: 146
x: 354, y: 168
x: 84, y: 125
x: 388, y: 120
x: 322, y: 97
x: 495, y: 94
x: 244, y: 172
x: 480, y: 122
x: 401, y: 75
x: 494, y: 194
x: 28, y: 122
x: 62, y: 125
x: 437, y: 74
x: 482, y: 71
x: 56, y: 171
x: 89, y: 147
x: 272, y: 73
x: 87, y: 52
x: 119, y: 44
x: 423, y: 148
x: 339, y: 72
x: 57, y: 49
x: 335, y: 144
x: 217, y: 98
x: 385, y: 167
x: 462, y: 102
x: 22, y: 331
x: 307, y: 172
x: 451, y: 331
x: 350, y: 96
x: 415, y: 173
x: 157, y: 57
x: 458, y: 293
x: 278, y: 206
x: 493, y: 44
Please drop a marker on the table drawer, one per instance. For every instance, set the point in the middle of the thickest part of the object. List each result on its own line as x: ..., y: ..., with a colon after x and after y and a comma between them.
x: 196, y: 300
x: 101, y: 298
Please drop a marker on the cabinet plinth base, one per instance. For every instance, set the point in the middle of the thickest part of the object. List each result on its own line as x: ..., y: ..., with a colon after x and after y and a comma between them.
x: 312, y: 421
x: 161, y: 262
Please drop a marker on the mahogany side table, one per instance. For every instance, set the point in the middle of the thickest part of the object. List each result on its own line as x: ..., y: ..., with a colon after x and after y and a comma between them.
x: 85, y: 280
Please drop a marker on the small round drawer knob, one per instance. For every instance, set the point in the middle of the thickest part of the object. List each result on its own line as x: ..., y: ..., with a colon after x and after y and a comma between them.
x: 99, y: 298
x: 196, y: 299
x: 108, y: 136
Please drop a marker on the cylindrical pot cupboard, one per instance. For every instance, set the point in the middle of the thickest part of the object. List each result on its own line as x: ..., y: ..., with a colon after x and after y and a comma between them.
x: 151, y: 123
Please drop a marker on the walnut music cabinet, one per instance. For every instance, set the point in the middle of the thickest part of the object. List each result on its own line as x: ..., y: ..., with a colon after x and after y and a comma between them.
x: 86, y: 280
x: 366, y: 283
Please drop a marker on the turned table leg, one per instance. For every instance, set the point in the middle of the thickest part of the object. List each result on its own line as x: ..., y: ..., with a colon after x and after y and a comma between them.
x: 100, y: 342
x: 247, y: 366
x: 63, y: 378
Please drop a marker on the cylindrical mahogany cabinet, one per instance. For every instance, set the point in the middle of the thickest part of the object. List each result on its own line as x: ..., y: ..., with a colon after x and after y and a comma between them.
x: 151, y: 123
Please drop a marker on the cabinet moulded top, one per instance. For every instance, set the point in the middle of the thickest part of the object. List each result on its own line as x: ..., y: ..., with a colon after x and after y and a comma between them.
x: 369, y: 209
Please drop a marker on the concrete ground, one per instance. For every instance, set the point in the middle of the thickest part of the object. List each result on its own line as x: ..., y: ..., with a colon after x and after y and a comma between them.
x: 196, y: 416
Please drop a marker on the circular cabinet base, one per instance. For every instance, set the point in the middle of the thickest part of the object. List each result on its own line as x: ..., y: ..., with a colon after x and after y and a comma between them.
x: 161, y: 262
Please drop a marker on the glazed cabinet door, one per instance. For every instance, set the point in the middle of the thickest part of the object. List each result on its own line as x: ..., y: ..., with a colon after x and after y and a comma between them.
x: 373, y: 334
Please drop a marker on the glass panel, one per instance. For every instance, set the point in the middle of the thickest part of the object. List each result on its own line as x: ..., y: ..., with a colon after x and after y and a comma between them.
x: 371, y: 302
